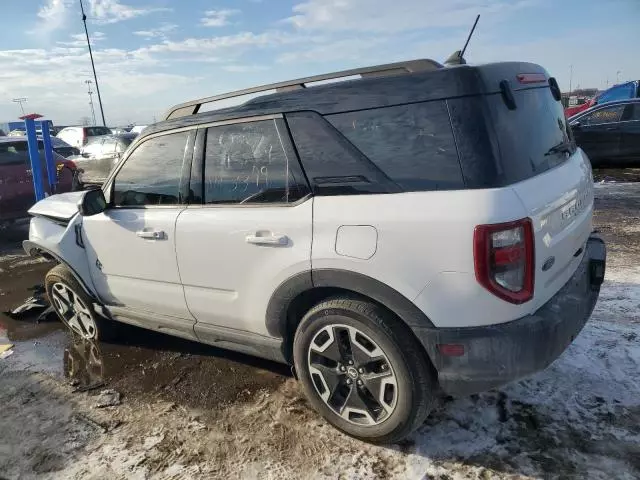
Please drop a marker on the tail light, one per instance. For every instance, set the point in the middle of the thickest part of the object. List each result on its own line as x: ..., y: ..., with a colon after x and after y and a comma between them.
x: 504, y: 259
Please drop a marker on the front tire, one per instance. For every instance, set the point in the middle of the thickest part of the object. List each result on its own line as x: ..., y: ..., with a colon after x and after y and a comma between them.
x: 363, y: 370
x: 75, y: 307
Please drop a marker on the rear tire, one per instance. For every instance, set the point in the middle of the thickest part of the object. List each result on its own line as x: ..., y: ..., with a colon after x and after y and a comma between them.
x: 75, y: 307
x: 363, y: 370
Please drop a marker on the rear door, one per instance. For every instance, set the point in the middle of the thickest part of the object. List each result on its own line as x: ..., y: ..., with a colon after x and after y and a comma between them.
x: 598, y: 133
x: 630, y: 134
x: 552, y: 179
x: 249, y: 228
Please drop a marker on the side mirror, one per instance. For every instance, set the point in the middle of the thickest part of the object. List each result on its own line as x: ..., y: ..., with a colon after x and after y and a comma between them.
x: 92, y: 203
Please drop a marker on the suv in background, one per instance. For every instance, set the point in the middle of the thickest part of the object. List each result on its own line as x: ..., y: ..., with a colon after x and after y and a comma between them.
x: 98, y: 157
x: 16, y: 179
x: 79, y: 136
x: 417, y: 230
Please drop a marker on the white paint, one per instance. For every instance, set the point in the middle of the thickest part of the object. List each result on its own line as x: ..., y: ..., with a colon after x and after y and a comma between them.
x: 228, y: 281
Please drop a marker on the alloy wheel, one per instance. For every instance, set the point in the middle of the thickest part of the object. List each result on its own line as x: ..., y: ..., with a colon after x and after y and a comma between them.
x: 352, y: 375
x: 73, y: 311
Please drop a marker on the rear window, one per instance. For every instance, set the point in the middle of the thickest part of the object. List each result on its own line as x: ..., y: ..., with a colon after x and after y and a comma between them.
x: 531, y: 137
x: 412, y: 144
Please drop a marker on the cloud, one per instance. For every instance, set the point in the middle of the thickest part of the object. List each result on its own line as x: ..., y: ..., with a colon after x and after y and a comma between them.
x: 80, y: 40
x: 112, y: 11
x: 218, y: 18
x: 160, y: 32
x: 52, y: 15
x: 389, y: 16
x: 244, y: 68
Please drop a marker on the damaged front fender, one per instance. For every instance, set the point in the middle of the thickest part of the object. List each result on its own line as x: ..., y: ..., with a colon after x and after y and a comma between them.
x: 61, y: 241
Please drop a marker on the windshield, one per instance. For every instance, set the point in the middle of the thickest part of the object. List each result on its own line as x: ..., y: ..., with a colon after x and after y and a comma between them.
x: 532, y: 138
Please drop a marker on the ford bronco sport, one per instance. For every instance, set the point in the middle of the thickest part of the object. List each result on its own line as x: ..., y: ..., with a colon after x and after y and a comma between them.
x: 420, y: 229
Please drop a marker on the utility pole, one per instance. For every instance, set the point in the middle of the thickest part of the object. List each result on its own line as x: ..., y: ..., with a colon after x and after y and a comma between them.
x: 570, y: 78
x: 618, y: 77
x: 20, y: 100
x: 93, y: 112
x: 93, y: 66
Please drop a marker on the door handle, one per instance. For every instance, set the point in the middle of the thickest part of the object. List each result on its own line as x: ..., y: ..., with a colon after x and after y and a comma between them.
x: 267, y: 239
x: 151, y: 234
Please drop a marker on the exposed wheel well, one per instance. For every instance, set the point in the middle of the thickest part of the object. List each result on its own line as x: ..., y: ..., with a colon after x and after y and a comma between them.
x: 306, y: 300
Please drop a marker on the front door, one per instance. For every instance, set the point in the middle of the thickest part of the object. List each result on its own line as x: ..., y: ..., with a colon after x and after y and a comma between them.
x: 252, y: 229
x: 598, y: 133
x: 131, y: 245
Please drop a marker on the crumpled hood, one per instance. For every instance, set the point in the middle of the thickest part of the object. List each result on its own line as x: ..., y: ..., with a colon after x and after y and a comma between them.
x: 62, y: 206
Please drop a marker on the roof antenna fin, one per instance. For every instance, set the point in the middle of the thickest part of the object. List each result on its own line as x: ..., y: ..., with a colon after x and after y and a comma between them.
x: 457, y: 57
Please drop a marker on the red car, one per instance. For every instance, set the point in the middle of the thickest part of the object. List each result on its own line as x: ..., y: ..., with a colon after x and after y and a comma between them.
x: 623, y: 91
x: 16, y: 181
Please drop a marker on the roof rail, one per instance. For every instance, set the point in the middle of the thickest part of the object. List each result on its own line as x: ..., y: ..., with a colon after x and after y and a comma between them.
x: 421, y: 65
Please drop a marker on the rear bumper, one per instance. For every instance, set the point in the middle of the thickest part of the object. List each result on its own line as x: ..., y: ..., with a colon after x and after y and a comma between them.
x: 497, y: 354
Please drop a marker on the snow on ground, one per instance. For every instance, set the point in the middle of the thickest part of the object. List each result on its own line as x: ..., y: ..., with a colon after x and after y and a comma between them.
x: 580, y: 418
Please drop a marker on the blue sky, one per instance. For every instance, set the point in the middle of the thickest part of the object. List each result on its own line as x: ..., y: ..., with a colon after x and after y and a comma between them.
x: 151, y: 54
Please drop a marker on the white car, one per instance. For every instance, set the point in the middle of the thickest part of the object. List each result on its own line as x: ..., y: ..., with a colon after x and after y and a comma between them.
x: 138, y: 129
x: 422, y: 229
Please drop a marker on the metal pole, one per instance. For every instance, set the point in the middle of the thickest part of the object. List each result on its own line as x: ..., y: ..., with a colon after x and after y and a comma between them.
x: 93, y: 111
x: 20, y: 100
x: 34, y: 157
x: 52, y: 172
x: 570, y: 78
x: 95, y: 77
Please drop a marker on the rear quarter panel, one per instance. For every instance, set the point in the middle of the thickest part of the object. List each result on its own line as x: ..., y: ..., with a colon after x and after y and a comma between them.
x: 424, y: 248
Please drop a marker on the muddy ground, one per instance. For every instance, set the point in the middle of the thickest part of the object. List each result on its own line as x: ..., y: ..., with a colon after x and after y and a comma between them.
x: 190, y: 411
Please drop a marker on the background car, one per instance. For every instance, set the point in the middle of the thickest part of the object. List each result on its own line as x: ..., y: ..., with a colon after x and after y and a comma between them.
x: 138, y: 128
x: 617, y: 92
x: 609, y: 133
x: 16, y: 186
x: 98, y: 157
x: 61, y: 147
x: 78, y: 136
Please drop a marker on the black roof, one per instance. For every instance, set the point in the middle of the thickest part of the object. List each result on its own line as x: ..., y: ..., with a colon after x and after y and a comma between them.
x: 368, y: 92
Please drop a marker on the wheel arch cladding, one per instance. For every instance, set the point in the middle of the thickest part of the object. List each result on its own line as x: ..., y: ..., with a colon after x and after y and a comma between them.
x: 296, y: 295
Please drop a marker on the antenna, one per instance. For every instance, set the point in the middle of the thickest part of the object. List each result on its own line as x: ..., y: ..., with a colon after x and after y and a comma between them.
x: 464, y: 49
x: 457, y: 57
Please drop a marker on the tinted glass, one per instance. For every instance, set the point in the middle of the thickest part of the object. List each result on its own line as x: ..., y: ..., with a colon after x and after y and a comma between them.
x: 13, y: 153
x: 635, y: 111
x: 604, y: 115
x: 621, y: 92
x: 97, y: 131
x: 151, y: 174
x: 332, y: 164
x: 247, y: 163
x: 412, y: 144
x: 533, y: 137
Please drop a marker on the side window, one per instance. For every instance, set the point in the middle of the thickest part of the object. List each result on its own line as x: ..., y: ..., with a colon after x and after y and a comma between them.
x: 248, y: 163
x: 332, y: 164
x: 13, y: 154
x: 412, y: 144
x: 604, y: 115
x: 634, y: 112
x: 151, y: 174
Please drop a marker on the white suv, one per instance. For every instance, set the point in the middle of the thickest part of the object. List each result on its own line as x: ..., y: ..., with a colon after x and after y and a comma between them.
x: 418, y: 230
